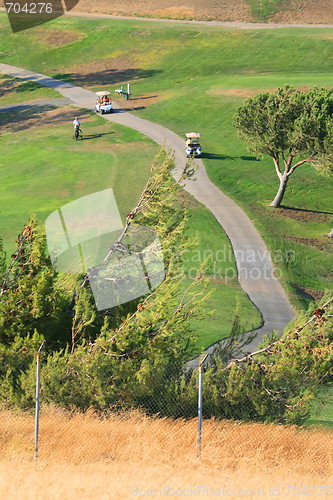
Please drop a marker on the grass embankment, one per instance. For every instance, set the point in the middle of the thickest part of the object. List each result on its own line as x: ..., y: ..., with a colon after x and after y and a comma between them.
x: 193, y: 78
x: 263, y: 10
x: 85, y: 457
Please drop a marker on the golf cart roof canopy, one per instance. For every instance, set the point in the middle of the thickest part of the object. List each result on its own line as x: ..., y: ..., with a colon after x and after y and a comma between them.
x: 102, y: 93
x: 193, y: 135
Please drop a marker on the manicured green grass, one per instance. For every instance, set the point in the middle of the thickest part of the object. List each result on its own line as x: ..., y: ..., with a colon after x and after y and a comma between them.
x: 43, y: 168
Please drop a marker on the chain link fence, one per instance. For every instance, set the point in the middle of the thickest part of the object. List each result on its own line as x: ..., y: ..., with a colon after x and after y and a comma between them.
x: 158, y: 447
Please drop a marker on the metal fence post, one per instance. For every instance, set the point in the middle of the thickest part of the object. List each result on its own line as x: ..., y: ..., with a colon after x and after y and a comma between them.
x: 200, y: 405
x: 37, y: 401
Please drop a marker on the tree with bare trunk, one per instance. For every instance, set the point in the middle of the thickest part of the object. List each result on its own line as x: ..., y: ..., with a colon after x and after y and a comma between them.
x: 289, y: 125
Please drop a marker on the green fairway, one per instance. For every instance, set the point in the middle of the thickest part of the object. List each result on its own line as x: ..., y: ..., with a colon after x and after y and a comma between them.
x: 49, y: 169
x: 195, y: 77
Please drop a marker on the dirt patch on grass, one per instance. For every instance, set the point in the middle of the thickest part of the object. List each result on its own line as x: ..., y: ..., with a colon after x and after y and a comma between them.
x: 115, y: 63
x: 41, y: 116
x: 188, y: 200
x: 245, y: 92
x: 233, y: 92
x: 56, y: 38
x: 324, y: 244
x: 8, y: 85
x: 305, y: 11
x: 302, y: 215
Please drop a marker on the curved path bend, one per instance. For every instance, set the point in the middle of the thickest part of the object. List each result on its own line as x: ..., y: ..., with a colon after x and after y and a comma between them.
x: 255, y: 268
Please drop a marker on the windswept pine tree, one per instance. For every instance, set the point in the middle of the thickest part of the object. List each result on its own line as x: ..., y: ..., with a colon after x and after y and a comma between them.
x: 291, y: 126
x: 277, y: 382
x: 129, y: 354
x: 29, y: 298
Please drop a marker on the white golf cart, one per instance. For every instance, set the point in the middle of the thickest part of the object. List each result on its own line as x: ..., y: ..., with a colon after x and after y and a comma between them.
x: 103, y: 103
x: 193, y: 147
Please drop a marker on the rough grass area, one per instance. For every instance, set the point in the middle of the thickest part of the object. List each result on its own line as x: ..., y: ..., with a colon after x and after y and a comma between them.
x: 125, y: 456
x: 42, y: 167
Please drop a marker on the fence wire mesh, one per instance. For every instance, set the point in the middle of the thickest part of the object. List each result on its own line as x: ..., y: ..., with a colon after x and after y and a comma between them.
x: 150, y: 445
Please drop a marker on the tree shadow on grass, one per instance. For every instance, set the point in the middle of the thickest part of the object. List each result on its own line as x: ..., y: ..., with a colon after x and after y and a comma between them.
x: 248, y: 158
x: 106, y: 77
x: 143, y: 97
x: 126, y: 110
x: 10, y: 85
x: 28, y: 86
x: 213, y: 156
x: 25, y: 117
x: 294, y: 209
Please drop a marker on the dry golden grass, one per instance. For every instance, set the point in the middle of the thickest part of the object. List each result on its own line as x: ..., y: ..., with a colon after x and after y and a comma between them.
x: 83, y: 457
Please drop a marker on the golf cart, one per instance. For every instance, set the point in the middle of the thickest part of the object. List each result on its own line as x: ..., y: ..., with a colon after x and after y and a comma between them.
x: 104, y: 103
x: 193, y: 147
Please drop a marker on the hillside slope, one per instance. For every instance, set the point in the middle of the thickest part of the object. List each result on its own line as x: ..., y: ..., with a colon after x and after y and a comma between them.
x: 284, y: 11
x: 295, y: 11
x: 306, y: 11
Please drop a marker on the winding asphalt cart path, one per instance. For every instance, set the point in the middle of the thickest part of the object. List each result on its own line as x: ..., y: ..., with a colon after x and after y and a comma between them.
x: 255, y: 268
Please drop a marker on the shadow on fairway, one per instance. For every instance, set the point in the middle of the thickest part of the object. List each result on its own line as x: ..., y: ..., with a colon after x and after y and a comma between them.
x: 213, y: 156
x: 9, y: 84
x: 126, y: 110
x: 248, y: 158
x: 106, y: 77
x: 285, y: 207
x: 143, y: 97
x: 24, y: 117
x: 95, y: 136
